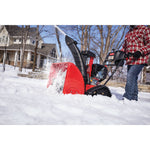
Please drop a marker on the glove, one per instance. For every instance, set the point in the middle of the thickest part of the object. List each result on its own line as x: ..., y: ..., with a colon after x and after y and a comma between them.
x: 137, y: 54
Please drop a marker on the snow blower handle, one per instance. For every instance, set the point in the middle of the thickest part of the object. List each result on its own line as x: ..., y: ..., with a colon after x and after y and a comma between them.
x: 114, y: 59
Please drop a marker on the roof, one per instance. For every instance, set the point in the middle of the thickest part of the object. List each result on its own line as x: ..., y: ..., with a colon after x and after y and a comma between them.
x: 18, y: 46
x: 47, y: 48
x: 15, y: 30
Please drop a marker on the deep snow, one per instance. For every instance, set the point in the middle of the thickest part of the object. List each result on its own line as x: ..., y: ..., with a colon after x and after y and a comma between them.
x: 28, y: 101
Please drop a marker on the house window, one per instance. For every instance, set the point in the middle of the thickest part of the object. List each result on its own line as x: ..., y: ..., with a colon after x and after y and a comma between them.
x: 32, y: 57
x: 19, y: 40
x: 18, y: 56
x: 15, y: 40
x: 3, y: 40
x: 6, y: 39
x: 53, y: 52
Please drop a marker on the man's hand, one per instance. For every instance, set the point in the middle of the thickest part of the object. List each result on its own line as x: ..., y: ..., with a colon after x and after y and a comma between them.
x: 137, y: 54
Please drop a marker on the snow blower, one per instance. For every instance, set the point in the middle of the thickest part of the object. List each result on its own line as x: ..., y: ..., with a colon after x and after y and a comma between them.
x: 85, y: 79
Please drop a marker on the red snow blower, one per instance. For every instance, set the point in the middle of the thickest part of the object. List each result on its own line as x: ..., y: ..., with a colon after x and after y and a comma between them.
x: 85, y: 79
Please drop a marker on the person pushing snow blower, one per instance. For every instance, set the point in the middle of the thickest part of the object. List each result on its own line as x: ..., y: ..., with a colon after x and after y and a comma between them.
x: 137, y: 49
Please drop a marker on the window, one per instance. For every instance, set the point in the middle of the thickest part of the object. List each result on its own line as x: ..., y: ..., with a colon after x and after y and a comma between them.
x: 6, y: 39
x: 18, y: 55
x: 19, y: 40
x: 53, y: 52
x: 3, y: 40
x: 32, y: 57
x: 33, y: 42
x: 15, y: 40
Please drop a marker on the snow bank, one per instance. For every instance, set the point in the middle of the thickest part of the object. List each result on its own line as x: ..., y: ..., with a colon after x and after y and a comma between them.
x: 28, y: 101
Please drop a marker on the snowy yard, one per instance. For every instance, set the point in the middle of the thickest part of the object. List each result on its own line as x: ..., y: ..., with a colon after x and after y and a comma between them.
x: 28, y: 101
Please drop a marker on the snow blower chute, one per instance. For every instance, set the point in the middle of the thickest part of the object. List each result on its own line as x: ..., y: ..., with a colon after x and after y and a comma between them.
x: 85, y: 79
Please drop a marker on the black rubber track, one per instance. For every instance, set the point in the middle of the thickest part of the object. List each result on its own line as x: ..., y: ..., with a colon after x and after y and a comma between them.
x: 100, y: 89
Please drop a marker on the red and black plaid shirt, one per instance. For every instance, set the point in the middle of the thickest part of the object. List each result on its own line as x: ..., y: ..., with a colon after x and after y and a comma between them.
x: 137, y: 39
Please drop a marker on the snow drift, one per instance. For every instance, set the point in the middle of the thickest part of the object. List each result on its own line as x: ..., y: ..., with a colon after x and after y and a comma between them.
x: 28, y: 101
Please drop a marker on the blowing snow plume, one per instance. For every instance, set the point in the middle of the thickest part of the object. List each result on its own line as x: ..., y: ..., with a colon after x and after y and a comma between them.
x: 73, y: 83
x: 56, y: 79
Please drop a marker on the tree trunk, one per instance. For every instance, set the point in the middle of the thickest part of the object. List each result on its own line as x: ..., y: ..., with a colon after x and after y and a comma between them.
x: 100, y: 28
x: 36, y: 47
x: 24, y: 39
x: 89, y: 38
x: 85, y: 38
x: 108, y: 40
x: 4, y: 59
x: 82, y: 37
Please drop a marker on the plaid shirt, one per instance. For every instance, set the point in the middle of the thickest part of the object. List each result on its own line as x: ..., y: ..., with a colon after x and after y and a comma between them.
x: 137, y: 39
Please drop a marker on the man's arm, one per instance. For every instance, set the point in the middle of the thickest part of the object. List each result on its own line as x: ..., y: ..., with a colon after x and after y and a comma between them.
x: 146, y: 49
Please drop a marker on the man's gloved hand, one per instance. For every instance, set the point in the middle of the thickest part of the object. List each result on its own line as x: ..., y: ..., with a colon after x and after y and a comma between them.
x: 137, y: 54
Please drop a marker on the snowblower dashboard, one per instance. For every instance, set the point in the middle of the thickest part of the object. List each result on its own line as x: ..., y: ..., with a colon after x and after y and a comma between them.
x: 115, y: 58
x: 110, y: 58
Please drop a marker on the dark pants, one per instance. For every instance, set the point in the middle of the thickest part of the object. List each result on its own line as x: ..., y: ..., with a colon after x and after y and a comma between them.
x: 131, y: 89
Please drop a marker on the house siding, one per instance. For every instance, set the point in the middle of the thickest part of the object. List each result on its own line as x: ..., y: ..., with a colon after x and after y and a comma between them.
x: 3, y: 35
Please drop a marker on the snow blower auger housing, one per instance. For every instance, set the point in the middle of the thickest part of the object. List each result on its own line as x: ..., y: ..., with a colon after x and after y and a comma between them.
x: 73, y: 83
x: 81, y: 78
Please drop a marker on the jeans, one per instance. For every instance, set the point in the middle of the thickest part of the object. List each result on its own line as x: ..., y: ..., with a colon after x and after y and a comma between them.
x: 131, y: 88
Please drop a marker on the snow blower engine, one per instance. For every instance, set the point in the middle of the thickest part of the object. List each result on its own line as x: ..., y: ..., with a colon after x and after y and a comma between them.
x: 83, y: 78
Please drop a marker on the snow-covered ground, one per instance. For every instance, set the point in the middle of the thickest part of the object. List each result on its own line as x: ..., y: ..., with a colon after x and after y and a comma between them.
x: 28, y: 101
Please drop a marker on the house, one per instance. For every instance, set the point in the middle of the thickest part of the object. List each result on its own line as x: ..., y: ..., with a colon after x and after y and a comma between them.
x: 11, y: 45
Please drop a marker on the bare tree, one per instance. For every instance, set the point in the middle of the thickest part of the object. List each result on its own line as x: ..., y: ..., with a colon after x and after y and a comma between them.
x: 82, y: 36
x: 85, y: 38
x: 5, y: 40
x: 4, y: 58
x: 83, y: 32
x: 36, y: 47
x: 107, y: 38
x: 89, y: 37
x: 25, y: 32
x: 100, y: 38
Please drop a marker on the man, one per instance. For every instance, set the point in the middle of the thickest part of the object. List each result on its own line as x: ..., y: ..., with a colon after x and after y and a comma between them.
x: 137, y: 49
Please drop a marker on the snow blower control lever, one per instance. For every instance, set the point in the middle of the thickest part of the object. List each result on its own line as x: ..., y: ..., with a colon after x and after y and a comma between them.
x: 83, y: 77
